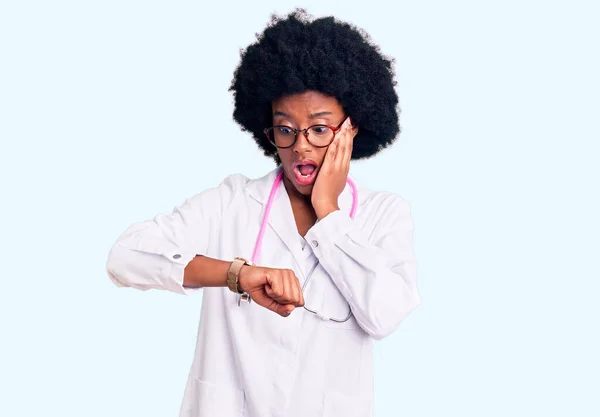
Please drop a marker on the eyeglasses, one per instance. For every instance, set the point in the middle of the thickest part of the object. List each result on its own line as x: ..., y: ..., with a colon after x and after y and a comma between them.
x: 319, y: 136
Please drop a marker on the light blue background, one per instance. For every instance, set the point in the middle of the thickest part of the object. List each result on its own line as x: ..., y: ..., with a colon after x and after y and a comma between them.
x: 114, y: 111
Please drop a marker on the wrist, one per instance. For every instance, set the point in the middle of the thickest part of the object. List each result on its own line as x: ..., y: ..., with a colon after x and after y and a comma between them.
x: 324, y: 210
x: 242, y: 278
x: 233, y: 274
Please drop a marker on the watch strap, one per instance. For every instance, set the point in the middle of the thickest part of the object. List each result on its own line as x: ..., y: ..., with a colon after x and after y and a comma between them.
x: 233, y: 274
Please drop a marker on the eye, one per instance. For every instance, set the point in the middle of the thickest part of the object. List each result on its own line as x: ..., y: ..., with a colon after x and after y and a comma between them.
x: 320, y: 130
x: 283, y: 130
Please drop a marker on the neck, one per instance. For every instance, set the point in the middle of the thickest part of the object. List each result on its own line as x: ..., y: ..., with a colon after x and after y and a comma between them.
x: 294, y: 194
x: 304, y: 213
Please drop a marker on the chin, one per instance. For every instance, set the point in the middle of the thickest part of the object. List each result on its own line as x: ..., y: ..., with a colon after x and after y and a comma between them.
x: 305, y: 190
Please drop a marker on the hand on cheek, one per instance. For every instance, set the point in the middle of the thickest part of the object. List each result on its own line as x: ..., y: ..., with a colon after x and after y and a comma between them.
x: 333, y: 173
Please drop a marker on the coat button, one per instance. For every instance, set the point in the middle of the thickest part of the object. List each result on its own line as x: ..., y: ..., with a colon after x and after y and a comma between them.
x: 315, y: 243
x: 176, y: 256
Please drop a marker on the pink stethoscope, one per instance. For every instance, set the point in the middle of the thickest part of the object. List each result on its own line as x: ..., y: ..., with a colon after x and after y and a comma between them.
x: 263, y: 226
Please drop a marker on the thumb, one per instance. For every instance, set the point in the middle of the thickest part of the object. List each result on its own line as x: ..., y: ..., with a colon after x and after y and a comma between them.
x: 264, y: 300
x: 269, y: 290
x: 283, y: 310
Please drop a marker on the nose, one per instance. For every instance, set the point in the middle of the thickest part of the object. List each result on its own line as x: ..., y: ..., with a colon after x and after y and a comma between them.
x: 302, y: 144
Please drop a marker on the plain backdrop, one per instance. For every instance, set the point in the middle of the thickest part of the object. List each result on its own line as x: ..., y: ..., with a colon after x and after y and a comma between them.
x: 114, y: 111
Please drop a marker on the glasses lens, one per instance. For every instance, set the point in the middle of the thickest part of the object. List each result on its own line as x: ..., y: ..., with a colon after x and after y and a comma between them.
x: 282, y: 136
x: 320, y: 135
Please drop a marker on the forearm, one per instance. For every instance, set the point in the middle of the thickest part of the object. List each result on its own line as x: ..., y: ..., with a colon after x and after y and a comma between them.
x: 381, y: 292
x: 203, y: 271
x: 377, y: 281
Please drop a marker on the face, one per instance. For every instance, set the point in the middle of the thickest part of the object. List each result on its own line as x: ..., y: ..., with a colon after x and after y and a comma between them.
x: 301, y: 111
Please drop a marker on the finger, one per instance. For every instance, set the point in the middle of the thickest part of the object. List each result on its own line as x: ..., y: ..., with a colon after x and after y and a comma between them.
x: 278, y: 297
x: 276, y: 291
x: 269, y: 291
x: 333, y: 147
x: 282, y: 291
x: 343, y: 144
x: 299, y: 292
x: 348, y: 145
x: 330, y: 155
x: 284, y: 310
x: 262, y: 298
x: 342, y: 152
x: 353, y: 131
x: 288, y: 296
x: 296, y: 293
x: 339, y: 147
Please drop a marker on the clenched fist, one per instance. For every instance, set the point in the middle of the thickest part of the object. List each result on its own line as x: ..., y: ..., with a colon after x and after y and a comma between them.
x: 276, y: 289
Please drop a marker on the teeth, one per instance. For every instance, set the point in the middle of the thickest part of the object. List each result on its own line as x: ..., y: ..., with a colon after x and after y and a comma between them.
x: 302, y: 175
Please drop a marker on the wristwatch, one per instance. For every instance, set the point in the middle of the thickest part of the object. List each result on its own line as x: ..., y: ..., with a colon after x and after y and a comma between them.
x: 233, y: 274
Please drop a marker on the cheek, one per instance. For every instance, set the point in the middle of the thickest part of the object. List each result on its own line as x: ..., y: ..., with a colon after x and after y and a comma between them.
x: 284, y: 154
x: 321, y: 155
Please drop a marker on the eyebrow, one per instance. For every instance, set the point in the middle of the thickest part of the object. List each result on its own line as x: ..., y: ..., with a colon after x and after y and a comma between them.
x: 312, y: 116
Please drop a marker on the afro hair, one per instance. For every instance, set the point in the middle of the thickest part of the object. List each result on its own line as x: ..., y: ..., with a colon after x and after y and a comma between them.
x: 297, y: 53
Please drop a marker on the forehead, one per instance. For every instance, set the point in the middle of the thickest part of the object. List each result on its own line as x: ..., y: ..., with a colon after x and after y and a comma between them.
x: 306, y: 104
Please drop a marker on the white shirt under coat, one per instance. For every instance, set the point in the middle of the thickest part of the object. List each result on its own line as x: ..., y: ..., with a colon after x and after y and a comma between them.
x: 249, y: 361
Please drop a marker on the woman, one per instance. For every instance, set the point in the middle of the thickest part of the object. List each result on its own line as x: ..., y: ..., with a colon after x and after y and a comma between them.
x: 301, y: 269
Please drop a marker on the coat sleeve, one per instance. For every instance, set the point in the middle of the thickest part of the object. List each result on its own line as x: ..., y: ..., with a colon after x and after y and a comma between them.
x: 154, y: 253
x: 376, y: 273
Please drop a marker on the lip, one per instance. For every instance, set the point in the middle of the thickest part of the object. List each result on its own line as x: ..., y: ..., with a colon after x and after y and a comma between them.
x: 304, y: 162
x: 301, y: 180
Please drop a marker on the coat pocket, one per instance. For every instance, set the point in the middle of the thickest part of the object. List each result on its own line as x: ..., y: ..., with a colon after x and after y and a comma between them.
x: 217, y: 400
x: 335, y: 306
x: 336, y: 405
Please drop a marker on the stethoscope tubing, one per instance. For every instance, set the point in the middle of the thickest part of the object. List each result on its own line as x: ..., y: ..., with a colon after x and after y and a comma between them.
x: 263, y: 226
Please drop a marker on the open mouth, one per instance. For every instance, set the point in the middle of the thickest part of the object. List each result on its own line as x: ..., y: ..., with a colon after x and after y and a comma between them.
x: 305, y: 171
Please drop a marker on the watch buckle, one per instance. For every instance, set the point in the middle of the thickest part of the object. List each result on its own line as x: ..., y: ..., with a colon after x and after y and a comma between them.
x: 244, y: 297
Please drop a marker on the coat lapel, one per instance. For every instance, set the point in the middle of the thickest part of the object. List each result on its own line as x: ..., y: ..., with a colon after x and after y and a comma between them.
x: 282, y: 221
x: 281, y: 217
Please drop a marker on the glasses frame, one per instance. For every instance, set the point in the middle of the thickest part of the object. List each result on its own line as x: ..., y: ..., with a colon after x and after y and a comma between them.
x: 305, y: 131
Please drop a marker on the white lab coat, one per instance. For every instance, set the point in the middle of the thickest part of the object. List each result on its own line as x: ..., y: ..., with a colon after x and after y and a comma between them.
x: 250, y: 361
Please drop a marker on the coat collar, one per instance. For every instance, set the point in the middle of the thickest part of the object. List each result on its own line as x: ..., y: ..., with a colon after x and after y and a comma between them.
x: 260, y: 188
x: 281, y: 218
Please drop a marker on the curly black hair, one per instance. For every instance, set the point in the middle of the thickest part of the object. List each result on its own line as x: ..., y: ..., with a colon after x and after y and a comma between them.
x: 297, y: 53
